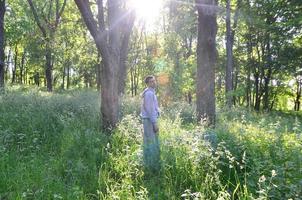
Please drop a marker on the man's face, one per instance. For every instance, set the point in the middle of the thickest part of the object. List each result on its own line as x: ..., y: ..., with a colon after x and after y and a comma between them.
x: 152, y: 83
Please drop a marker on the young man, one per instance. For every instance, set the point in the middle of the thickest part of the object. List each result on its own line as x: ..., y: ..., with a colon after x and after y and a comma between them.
x: 149, y: 114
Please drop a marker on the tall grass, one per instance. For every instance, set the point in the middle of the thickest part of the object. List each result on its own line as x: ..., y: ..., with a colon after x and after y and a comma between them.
x: 50, y: 145
x: 51, y: 148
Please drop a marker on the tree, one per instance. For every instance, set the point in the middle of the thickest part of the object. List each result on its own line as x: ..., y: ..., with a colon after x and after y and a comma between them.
x: 48, y: 24
x: 2, y: 11
x: 180, y: 36
x: 112, y: 44
x: 230, y: 33
x: 206, y: 59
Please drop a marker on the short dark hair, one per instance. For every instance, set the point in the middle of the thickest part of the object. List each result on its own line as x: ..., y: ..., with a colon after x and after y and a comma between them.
x: 148, y: 78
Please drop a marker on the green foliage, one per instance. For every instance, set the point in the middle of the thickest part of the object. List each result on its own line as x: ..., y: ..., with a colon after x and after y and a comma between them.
x: 51, y: 149
x: 50, y: 146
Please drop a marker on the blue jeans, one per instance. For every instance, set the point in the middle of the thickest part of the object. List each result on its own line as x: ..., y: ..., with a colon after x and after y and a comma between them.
x: 151, y: 147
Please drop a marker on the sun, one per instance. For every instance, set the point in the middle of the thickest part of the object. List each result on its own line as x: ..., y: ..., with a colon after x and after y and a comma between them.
x: 147, y: 10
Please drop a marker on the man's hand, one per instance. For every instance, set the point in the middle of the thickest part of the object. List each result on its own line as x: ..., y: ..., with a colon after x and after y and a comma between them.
x: 155, y: 128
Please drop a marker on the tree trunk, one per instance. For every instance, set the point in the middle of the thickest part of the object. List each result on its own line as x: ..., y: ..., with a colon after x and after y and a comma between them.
x: 267, y: 77
x: 98, y: 73
x: 68, y: 76
x: 25, y: 76
x: 22, y: 68
x: 230, y: 33
x: 257, y: 93
x: 298, y: 95
x: 136, y: 79
x: 236, y: 77
x: 123, y: 59
x: 229, y: 50
x: 132, y: 81
x: 219, y: 82
x: 249, y: 66
x: 2, y: 56
x: 206, y: 60
x: 113, y: 47
x: 63, y: 76
x: 15, y: 65
x: 109, y: 95
x: 48, y: 64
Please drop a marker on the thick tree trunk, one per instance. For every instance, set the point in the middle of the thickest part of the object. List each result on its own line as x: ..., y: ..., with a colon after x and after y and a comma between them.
x: 113, y: 47
x: 2, y: 56
x: 206, y: 60
x: 109, y: 95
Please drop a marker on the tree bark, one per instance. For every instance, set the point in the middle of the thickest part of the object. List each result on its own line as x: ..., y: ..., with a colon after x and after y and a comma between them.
x: 15, y: 64
x: 113, y: 47
x: 298, y: 95
x: 230, y: 34
x: 249, y: 66
x: 257, y: 93
x: 2, y: 56
x: 63, y: 76
x: 48, y: 64
x: 229, y: 50
x: 268, y: 76
x: 68, y: 76
x: 206, y: 60
x: 22, y: 65
x: 98, y: 72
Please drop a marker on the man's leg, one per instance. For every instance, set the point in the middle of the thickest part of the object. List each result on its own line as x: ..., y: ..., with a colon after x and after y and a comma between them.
x: 151, y: 146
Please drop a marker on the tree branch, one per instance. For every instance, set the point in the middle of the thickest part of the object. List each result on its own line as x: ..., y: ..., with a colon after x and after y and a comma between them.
x: 59, y: 12
x: 99, y: 37
x: 33, y: 9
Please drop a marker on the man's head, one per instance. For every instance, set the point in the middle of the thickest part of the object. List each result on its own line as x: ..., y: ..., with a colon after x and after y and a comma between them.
x: 150, y: 81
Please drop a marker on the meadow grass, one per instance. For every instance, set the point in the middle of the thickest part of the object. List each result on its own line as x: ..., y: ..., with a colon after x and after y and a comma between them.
x: 51, y: 148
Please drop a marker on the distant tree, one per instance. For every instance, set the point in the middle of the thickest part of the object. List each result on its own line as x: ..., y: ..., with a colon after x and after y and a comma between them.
x: 230, y: 33
x: 206, y: 59
x: 48, y: 21
x: 2, y: 11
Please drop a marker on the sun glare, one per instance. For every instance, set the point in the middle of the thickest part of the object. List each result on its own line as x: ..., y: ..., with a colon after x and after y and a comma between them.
x: 147, y: 10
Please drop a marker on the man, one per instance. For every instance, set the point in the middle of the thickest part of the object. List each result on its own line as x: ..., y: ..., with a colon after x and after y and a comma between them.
x: 149, y: 114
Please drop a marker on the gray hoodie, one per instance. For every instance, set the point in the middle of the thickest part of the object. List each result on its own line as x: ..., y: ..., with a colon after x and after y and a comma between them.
x: 149, y: 107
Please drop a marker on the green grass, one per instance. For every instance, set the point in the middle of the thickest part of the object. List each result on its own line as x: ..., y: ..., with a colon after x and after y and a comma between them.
x: 51, y: 148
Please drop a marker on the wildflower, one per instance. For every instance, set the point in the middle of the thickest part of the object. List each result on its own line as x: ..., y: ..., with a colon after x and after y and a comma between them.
x: 262, y: 179
x: 274, y: 173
